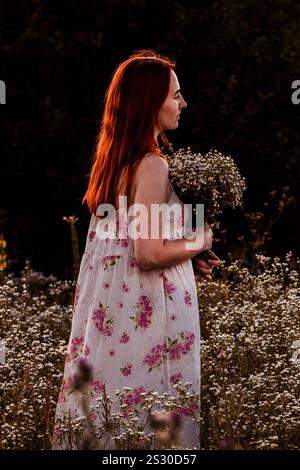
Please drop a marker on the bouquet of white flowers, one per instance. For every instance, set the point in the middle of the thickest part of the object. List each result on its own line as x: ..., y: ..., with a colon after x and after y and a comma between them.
x: 212, y: 179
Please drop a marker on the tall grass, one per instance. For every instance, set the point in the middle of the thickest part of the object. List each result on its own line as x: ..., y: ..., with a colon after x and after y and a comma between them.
x: 250, y: 377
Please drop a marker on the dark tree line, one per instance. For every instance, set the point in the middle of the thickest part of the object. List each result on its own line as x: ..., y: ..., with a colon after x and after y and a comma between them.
x: 236, y: 63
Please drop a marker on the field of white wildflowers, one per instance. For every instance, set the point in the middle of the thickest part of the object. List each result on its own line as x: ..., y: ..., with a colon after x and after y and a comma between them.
x: 250, y: 323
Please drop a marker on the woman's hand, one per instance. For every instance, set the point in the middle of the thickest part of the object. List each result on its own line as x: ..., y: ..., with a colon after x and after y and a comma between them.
x: 205, y: 267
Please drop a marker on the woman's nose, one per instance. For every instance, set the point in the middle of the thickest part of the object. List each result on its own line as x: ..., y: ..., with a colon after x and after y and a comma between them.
x: 183, y: 103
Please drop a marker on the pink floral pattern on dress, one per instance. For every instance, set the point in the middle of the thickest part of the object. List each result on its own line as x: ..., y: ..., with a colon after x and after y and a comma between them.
x: 121, y: 227
x: 97, y: 385
x: 121, y: 232
x: 187, y: 298
x: 66, y: 388
x: 125, y: 287
x: 132, y: 400
x: 92, y: 235
x: 169, y: 287
x: 76, y: 297
x: 176, y: 350
x: 155, y: 357
x: 102, y: 322
x: 144, y: 312
x: 77, y: 348
x: 181, y: 346
x: 176, y: 377
x: 192, y: 409
x: 126, y: 370
x: 123, y: 242
x: 124, y: 338
x: 134, y: 263
x: 109, y: 261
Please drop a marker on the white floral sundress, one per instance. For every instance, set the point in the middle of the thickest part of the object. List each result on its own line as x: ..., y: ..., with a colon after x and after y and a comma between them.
x: 138, y: 329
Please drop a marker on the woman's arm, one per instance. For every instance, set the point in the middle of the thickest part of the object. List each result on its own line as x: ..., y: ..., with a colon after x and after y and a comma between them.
x: 152, y: 188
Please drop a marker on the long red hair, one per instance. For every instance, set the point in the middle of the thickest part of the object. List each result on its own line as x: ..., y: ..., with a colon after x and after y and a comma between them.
x: 138, y: 89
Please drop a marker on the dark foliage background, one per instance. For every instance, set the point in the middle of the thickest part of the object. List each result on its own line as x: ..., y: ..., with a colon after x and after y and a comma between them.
x: 236, y: 62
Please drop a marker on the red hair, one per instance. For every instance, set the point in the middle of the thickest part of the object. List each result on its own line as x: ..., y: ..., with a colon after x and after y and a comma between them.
x: 138, y: 89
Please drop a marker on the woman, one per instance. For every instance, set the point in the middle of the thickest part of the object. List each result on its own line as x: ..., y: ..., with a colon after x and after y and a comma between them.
x: 136, y: 317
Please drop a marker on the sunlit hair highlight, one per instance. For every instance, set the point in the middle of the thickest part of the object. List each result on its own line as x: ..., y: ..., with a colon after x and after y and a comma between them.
x: 138, y: 88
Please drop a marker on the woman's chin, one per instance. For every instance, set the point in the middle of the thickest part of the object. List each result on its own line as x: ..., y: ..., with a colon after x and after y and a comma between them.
x: 172, y: 127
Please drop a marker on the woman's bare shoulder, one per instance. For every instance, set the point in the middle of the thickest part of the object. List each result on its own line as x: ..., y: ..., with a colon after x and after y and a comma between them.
x: 153, y: 162
x: 156, y: 157
x: 152, y: 173
x: 152, y: 178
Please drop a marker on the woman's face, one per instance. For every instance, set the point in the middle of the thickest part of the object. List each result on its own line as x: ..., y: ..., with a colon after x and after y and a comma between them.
x: 169, y: 113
